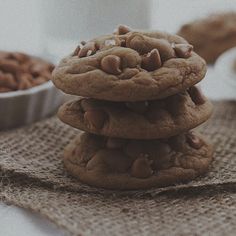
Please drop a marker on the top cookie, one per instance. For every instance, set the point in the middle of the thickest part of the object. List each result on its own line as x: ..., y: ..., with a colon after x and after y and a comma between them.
x: 130, y: 66
x: 212, y: 35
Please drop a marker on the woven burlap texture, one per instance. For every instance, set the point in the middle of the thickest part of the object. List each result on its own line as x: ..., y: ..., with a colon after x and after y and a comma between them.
x: 36, y: 152
x: 205, y: 212
x: 32, y: 176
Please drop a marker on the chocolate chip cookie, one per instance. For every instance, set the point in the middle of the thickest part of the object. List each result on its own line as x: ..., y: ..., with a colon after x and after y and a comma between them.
x: 212, y: 35
x: 137, y: 164
x: 138, y: 120
x: 130, y: 66
x: 138, y: 104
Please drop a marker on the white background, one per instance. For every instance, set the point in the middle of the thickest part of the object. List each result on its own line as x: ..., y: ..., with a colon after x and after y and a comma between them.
x: 25, y: 25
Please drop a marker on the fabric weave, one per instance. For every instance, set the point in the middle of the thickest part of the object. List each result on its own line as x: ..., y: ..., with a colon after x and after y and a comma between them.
x: 33, y: 177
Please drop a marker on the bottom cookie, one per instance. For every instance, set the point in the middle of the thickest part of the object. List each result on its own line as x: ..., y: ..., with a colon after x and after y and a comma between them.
x: 137, y: 164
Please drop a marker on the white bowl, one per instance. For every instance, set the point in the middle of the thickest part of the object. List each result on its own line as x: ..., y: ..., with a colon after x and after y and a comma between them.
x: 23, y: 107
x: 227, y: 74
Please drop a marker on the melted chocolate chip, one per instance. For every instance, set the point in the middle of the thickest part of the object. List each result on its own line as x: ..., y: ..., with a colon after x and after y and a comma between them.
x: 87, y: 50
x: 123, y: 29
x: 151, y: 61
x: 183, y: 50
x: 196, y: 95
x: 95, y: 118
x: 141, y: 168
x: 111, y: 64
x: 193, y: 141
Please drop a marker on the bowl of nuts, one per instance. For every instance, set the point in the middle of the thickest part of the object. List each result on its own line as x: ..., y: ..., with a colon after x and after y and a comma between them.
x: 26, y: 91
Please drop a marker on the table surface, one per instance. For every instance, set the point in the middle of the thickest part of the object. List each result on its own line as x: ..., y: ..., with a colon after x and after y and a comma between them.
x: 16, y: 221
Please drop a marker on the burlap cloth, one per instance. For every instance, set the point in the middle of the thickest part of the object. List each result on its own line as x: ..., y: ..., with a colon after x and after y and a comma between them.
x: 32, y: 176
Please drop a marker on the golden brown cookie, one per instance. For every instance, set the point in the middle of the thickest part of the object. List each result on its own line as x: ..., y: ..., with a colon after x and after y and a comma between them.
x: 212, y: 35
x: 137, y: 164
x: 130, y: 66
x: 140, y: 120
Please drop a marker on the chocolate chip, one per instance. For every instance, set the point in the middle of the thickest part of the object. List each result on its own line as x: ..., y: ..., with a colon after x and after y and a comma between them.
x: 194, y: 141
x: 86, y: 104
x: 97, y: 163
x: 74, y: 106
x: 141, y: 168
x: 123, y: 29
x: 111, y: 64
x: 76, y: 51
x: 183, y: 50
x: 144, y: 44
x: 196, y: 95
x: 139, y: 107
x: 151, y: 61
x: 87, y: 50
x: 95, y: 118
x: 137, y: 42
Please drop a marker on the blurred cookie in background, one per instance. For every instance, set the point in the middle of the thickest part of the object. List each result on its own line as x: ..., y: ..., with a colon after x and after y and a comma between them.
x: 211, y: 36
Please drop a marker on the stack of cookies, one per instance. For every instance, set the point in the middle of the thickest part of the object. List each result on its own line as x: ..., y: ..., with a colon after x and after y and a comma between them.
x: 137, y: 109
